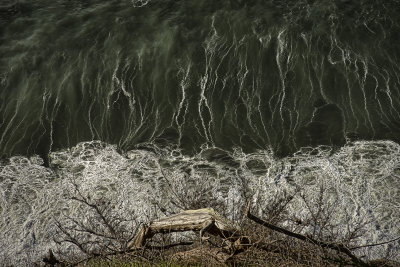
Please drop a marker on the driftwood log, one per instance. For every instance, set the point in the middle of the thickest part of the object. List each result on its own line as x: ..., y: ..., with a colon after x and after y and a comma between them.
x: 208, y: 221
x: 203, y: 220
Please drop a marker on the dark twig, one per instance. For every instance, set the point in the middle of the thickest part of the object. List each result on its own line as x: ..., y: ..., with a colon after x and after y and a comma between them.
x: 376, y: 244
x: 338, y: 247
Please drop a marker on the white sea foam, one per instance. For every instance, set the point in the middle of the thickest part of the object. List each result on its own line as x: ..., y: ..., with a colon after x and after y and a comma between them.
x: 360, y: 181
x: 140, y: 3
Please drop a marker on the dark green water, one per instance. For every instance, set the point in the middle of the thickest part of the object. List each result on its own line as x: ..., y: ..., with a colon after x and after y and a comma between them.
x: 163, y: 105
x: 250, y: 74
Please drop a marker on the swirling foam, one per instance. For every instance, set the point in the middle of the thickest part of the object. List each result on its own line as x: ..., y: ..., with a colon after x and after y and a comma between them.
x: 360, y: 180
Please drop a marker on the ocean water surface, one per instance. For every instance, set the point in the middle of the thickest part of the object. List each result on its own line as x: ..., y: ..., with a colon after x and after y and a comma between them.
x: 162, y: 105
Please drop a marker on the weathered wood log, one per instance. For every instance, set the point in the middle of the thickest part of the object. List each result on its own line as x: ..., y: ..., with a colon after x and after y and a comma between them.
x: 203, y: 220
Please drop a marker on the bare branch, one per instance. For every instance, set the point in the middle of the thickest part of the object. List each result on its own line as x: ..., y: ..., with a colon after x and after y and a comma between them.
x: 337, y: 247
x: 377, y: 244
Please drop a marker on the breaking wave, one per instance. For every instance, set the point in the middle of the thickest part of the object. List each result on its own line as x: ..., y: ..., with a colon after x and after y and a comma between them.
x: 361, y: 181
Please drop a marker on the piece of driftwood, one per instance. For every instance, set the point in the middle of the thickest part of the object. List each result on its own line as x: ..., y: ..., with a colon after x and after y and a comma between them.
x: 203, y: 220
x: 338, y: 247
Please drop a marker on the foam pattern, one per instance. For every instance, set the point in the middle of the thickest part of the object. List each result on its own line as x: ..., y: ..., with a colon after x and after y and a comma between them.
x: 358, y: 185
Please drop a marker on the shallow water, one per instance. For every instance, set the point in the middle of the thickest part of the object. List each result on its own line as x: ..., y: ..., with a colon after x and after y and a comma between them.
x: 253, y: 74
